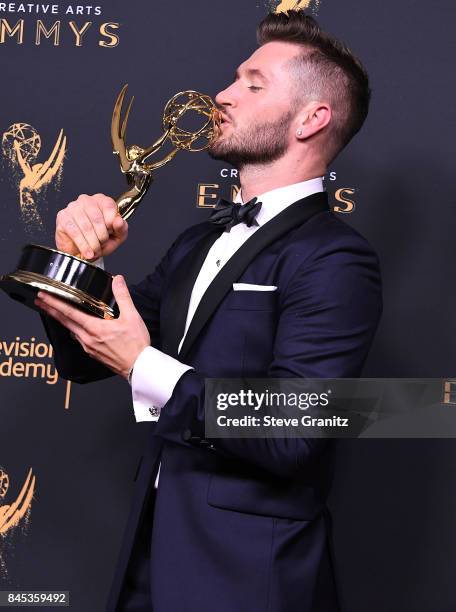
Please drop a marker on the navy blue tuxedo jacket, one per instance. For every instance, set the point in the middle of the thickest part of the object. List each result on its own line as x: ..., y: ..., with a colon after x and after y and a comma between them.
x: 240, y: 525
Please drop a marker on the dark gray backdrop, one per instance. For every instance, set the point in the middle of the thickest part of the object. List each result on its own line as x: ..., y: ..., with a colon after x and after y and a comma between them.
x: 393, y: 501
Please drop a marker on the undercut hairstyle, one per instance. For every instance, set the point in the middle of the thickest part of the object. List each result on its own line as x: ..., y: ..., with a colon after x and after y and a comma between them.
x: 326, y: 70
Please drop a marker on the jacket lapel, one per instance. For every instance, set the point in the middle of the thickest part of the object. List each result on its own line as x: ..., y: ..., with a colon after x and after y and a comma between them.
x: 180, y: 290
x: 294, y: 215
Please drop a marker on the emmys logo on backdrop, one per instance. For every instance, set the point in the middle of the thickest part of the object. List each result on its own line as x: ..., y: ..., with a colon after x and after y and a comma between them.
x: 46, y: 24
x: 15, y: 513
x: 282, y: 6
x: 32, y: 173
x: 21, y: 146
x: 27, y: 359
x: 207, y: 194
x: 32, y: 360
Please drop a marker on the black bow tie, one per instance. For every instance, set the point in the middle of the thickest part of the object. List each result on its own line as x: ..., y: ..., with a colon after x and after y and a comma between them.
x: 228, y: 213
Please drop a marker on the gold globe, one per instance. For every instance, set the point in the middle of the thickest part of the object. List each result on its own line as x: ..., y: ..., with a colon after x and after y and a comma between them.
x: 188, y: 139
x: 28, y: 139
x: 4, y: 483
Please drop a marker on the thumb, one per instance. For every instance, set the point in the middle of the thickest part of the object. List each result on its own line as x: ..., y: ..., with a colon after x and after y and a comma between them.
x: 121, y: 294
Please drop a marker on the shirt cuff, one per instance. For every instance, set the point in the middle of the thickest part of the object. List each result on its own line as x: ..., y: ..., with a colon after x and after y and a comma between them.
x: 154, y: 376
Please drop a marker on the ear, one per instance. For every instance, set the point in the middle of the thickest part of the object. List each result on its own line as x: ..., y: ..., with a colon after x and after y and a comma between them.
x: 313, y: 118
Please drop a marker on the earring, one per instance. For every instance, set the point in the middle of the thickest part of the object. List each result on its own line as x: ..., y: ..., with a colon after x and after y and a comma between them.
x: 299, y: 133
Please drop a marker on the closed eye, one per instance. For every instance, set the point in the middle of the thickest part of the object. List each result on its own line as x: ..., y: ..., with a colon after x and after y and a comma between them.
x: 254, y: 88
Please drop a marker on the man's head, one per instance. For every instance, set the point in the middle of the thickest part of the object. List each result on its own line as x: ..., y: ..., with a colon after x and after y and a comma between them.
x: 301, y: 87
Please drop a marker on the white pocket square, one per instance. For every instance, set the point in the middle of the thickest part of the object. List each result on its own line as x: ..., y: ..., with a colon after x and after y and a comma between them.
x: 249, y: 287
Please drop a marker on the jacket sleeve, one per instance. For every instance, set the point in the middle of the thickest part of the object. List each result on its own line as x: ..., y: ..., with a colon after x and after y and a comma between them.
x: 328, y: 316
x: 73, y: 363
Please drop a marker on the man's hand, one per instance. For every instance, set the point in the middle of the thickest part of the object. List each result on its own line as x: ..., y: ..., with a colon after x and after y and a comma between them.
x: 115, y: 342
x: 90, y: 227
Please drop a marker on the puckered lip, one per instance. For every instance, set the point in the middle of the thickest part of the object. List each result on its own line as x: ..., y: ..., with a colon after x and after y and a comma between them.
x: 225, y: 118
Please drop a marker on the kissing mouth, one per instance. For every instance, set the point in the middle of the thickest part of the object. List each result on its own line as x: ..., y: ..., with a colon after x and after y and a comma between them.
x: 225, y: 118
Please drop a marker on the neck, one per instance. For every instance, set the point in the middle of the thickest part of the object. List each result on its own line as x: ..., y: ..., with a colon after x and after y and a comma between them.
x: 256, y: 179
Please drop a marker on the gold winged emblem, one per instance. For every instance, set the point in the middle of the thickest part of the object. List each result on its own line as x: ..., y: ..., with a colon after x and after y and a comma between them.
x: 292, y: 5
x: 11, y: 514
x: 21, y: 145
x: 132, y: 159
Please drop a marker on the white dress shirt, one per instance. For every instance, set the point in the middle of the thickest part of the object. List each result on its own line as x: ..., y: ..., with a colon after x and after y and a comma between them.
x: 155, y: 373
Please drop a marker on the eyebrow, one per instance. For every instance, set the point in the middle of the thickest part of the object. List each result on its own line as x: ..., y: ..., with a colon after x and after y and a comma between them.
x: 253, y: 72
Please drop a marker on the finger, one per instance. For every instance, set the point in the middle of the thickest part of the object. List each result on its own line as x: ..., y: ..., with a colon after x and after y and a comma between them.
x: 110, y: 212
x: 108, y: 208
x: 120, y: 228
x: 122, y: 295
x: 62, y: 240
x: 68, y: 313
x: 95, y: 213
x: 76, y: 332
x: 85, y: 225
x: 56, y: 314
x: 68, y: 232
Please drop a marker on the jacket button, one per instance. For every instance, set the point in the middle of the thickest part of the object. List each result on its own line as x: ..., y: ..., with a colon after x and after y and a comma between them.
x: 188, y: 436
x: 206, y: 444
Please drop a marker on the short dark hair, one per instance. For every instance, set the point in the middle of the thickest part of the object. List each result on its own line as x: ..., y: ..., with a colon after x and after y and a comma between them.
x: 334, y: 72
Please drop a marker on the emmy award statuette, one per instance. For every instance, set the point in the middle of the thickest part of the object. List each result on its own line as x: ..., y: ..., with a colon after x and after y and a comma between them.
x: 81, y: 282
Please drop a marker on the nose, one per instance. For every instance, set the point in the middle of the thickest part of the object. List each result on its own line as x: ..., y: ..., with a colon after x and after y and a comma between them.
x: 225, y: 97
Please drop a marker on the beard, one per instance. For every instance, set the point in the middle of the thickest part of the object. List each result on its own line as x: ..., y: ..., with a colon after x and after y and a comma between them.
x: 260, y: 143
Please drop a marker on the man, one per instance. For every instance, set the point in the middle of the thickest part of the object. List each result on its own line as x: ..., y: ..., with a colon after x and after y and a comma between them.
x: 285, y: 289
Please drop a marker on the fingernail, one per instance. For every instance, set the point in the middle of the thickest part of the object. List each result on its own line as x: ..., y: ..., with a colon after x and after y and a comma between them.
x: 89, y: 254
